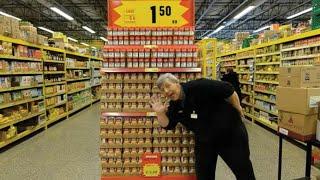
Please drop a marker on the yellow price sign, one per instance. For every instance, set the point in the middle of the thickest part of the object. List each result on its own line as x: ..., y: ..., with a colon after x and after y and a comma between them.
x: 151, y: 13
x: 151, y: 69
x: 151, y: 170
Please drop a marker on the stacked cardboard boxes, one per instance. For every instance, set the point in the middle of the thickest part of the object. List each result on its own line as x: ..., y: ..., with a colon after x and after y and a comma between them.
x: 297, y: 101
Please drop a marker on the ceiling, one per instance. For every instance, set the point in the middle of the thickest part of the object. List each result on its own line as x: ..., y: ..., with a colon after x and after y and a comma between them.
x: 209, y: 14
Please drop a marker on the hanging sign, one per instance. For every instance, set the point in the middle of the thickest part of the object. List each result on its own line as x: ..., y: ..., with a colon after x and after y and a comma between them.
x: 151, y: 164
x: 151, y: 13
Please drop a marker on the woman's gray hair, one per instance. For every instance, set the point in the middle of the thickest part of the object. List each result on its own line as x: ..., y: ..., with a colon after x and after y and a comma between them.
x: 166, y: 77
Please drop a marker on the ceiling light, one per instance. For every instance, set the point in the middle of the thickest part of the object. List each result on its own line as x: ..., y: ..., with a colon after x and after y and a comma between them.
x: 88, y: 29
x: 45, y: 29
x: 85, y: 44
x: 244, y: 12
x: 74, y: 40
x: 8, y: 15
x: 261, y: 29
x: 93, y: 47
x: 104, y: 39
x: 61, y: 13
x: 300, y: 13
x: 217, y: 30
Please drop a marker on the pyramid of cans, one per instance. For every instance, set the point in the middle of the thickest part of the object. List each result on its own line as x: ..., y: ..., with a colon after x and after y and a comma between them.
x: 126, y: 137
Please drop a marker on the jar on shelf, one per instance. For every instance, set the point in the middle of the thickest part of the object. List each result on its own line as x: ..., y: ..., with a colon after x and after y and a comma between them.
x: 183, y: 62
x: 153, y: 62
x: 159, y: 62
x: 178, y: 62
x: 130, y: 62
x: 135, y: 63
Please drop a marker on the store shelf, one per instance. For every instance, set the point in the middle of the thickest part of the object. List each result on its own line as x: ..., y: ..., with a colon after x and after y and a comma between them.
x: 97, y: 76
x: 265, y: 72
x: 249, y: 115
x: 268, y: 54
x: 2, y: 106
x: 246, y: 82
x: 127, y: 70
x: 128, y: 114
x: 300, y: 57
x: 56, y: 105
x: 21, y: 73
x: 267, y: 123
x: 54, y: 72
x: 77, y: 54
x: 246, y: 57
x: 246, y: 103
x: 266, y: 100
x: 247, y: 93
x: 19, y: 88
x: 266, y: 92
x: 233, y: 65
x: 96, y: 58
x: 18, y: 41
x: 20, y: 120
x: 21, y: 135
x: 267, y: 63
x: 78, y: 108
x: 53, y: 61
x: 56, y: 94
x: 80, y: 79
x: 78, y: 90
x: 262, y: 109
x: 47, y: 48
x: 55, y: 83
x: 244, y: 65
x: 244, y: 72
x: 96, y: 67
x: 57, y: 118
x: 300, y: 47
x: 80, y: 68
x: 19, y: 58
x: 227, y: 60
x: 267, y: 82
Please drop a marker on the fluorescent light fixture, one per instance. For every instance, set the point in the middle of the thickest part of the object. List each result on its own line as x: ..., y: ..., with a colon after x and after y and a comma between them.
x: 300, y: 13
x: 104, y: 39
x: 88, y: 29
x: 46, y: 29
x: 217, y: 30
x: 261, y: 29
x: 61, y: 13
x: 244, y: 12
x: 8, y: 15
x: 72, y: 39
x: 93, y: 47
x: 85, y: 44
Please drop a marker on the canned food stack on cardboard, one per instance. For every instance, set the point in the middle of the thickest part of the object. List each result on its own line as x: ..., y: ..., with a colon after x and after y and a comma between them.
x: 297, y: 101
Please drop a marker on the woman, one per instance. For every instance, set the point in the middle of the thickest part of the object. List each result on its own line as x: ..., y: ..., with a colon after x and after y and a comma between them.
x: 232, y: 78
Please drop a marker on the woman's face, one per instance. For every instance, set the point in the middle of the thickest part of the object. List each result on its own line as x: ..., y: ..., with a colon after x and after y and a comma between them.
x: 171, y: 90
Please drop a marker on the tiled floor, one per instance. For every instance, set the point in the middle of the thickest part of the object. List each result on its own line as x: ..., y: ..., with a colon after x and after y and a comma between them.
x: 69, y: 151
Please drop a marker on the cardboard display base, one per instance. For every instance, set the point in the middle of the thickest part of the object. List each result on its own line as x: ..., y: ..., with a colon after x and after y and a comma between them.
x: 146, y: 178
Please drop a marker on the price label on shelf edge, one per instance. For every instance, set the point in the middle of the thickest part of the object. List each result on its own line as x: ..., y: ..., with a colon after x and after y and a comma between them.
x: 151, y: 13
x: 151, y: 164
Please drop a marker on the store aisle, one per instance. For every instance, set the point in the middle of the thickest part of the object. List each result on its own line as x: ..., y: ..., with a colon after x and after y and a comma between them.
x: 69, y: 151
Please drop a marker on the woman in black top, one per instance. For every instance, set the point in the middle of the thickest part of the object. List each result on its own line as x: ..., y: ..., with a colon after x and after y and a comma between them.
x: 232, y: 78
x: 210, y: 109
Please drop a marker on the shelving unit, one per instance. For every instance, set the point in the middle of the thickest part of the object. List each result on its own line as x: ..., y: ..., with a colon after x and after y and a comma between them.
x: 96, y: 65
x: 302, y: 49
x: 207, y: 55
x: 55, y: 84
x: 44, y: 87
x: 21, y: 92
x: 79, y: 93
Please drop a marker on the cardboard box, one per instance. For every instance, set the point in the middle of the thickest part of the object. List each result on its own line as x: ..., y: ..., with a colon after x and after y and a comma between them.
x: 299, y: 77
x: 298, y: 100
x: 298, y: 124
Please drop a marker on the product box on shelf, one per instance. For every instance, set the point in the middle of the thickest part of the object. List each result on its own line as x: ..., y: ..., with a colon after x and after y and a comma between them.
x: 303, y: 126
x: 298, y: 100
x: 299, y: 77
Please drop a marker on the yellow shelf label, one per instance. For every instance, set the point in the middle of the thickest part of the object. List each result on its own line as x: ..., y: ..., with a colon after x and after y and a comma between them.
x: 152, y: 13
x: 151, y: 170
x: 151, y: 70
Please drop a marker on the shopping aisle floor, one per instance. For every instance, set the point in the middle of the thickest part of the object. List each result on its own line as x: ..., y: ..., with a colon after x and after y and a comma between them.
x: 69, y: 151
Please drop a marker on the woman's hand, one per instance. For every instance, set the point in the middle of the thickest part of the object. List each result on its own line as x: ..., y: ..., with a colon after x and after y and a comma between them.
x: 157, y: 105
